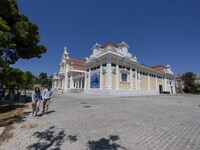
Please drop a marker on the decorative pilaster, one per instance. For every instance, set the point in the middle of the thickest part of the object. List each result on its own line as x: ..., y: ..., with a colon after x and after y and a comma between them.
x: 75, y: 81
x: 136, y: 78
x: 71, y: 82
x: 85, y: 83
x: 66, y: 77
x: 109, y: 73
x: 131, y: 77
x: 166, y: 85
x: 101, y: 75
x: 89, y: 78
x: 139, y: 78
x: 156, y: 83
x: 149, y: 83
x: 117, y: 74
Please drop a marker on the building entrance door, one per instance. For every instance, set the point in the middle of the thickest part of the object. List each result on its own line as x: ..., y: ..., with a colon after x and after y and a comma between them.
x: 160, y: 89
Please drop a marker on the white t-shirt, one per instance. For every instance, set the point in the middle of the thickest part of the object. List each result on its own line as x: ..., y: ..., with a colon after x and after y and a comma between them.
x: 47, y: 94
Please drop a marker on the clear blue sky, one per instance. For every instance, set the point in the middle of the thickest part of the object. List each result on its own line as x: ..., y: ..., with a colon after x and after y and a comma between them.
x: 157, y: 31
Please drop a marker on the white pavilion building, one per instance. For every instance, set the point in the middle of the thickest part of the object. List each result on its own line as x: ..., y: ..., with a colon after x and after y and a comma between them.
x: 112, y: 70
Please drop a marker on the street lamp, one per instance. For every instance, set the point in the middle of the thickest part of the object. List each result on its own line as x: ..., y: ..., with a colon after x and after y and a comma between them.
x: 9, y: 36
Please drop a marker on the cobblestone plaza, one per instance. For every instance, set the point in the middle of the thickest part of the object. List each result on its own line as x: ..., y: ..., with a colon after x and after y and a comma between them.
x: 84, y: 122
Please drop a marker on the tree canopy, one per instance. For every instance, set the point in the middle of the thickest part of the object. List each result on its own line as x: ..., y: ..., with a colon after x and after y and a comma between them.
x: 25, y: 43
x: 189, y: 84
x: 17, y: 79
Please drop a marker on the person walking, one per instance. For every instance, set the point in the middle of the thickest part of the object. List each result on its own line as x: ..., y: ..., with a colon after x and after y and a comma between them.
x: 47, y: 98
x: 36, y: 99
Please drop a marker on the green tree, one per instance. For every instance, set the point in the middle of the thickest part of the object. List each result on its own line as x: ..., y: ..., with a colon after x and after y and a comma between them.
x: 19, y: 37
x: 18, y: 78
x: 43, y: 79
x: 14, y: 78
x: 3, y: 28
x: 28, y: 80
x: 197, y: 88
x: 50, y: 80
x: 26, y: 41
x: 189, y: 84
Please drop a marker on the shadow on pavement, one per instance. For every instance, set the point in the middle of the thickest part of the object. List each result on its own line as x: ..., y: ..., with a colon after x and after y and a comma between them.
x: 49, y: 112
x: 72, y: 138
x: 51, y: 139
x: 105, y: 144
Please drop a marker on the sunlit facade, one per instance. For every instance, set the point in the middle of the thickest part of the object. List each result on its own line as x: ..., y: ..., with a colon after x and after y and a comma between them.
x: 112, y: 70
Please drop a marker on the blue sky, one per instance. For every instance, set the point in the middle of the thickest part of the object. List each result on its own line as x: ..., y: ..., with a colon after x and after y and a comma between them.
x: 157, y: 31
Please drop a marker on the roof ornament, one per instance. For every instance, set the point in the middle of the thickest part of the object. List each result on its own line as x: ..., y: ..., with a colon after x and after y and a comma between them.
x: 109, y: 48
x: 168, y: 69
x: 65, y: 54
x: 123, y: 44
x: 96, y: 46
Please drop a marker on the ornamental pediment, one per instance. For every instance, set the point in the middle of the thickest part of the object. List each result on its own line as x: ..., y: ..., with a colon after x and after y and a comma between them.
x: 120, y: 50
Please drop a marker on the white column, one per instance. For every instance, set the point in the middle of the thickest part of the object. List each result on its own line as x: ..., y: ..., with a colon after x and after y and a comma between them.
x: 163, y: 84
x: 101, y: 73
x: 166, y: 85
x: 156, y: 83
x: 89, y: 78
x: 149, y: 83
x: 66, y: 78
x: 131, y: 77
x: 117, y: 74
x: 108, y: 73
x: 139, y: 78
x: 55, y: 84
x: 78, y: 80
x: 71, y: 82
x: 174, y: 90
x: 85, y: 83
x: 136, y: 78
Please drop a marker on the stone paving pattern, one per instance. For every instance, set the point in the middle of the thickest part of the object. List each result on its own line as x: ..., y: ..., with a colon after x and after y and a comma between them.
x: 87, y: 122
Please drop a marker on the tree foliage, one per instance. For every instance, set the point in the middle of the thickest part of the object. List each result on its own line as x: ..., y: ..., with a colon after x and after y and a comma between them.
x: 28, y: 80
x: 17, y: 79
x: 14, y: 78
x: 189, y: 84
x: 25, y: 44
x: 43, y: 79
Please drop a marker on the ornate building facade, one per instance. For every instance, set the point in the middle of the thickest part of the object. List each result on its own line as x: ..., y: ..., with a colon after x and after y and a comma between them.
x: 112, y: 70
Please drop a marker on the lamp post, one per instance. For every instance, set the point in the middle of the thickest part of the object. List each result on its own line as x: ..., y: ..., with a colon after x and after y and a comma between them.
x: 9, y: 36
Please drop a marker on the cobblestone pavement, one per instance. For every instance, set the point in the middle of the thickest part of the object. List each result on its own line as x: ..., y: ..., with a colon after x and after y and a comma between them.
x: 85, y: 122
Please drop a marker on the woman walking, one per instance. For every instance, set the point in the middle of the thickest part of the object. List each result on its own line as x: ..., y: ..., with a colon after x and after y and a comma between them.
x: 36, y: 98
